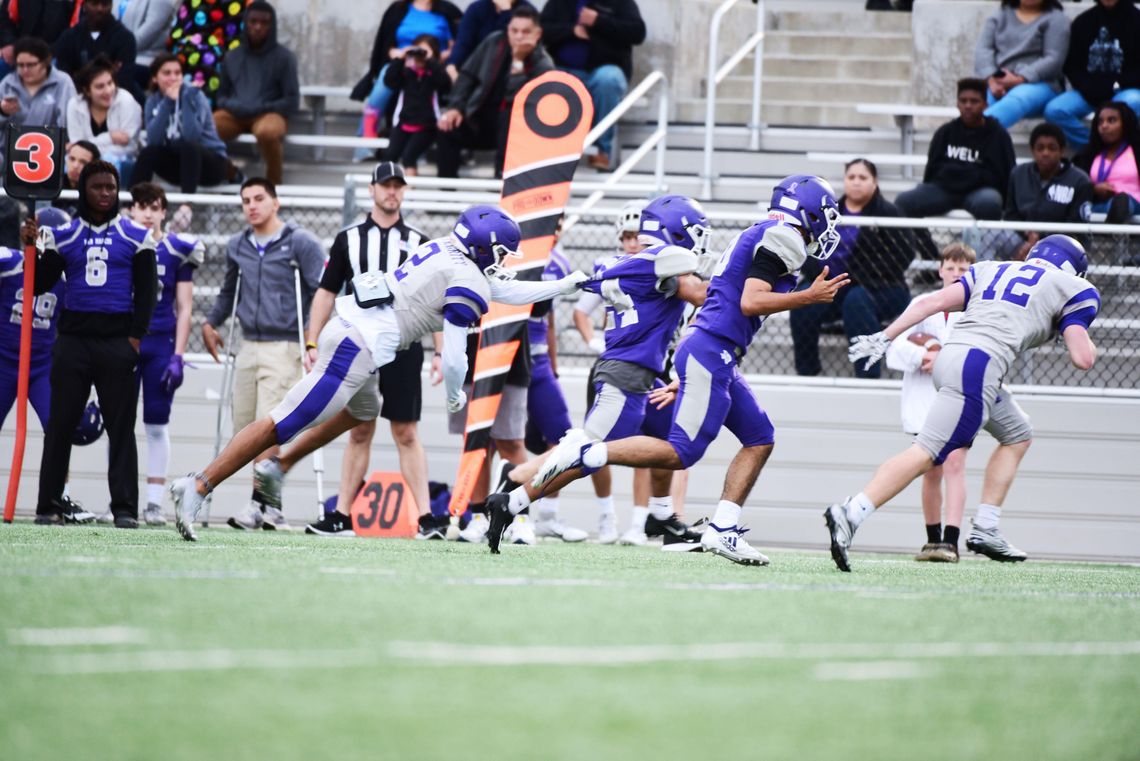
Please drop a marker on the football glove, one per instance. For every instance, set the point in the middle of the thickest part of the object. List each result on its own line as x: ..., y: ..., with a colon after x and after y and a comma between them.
x: 455, y: 403
x: 571, y: 282
x: 871, y: 347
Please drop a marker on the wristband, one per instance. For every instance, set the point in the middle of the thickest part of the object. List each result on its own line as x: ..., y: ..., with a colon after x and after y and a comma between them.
x: 310, y: 345
x: 438, y: 354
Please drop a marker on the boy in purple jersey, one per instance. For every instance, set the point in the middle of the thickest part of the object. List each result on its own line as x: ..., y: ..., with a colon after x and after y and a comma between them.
x: 108, y: 301
x: 753, y: 278
x: 646, y: 295
x: 44, y: 314
x: 160, y: 355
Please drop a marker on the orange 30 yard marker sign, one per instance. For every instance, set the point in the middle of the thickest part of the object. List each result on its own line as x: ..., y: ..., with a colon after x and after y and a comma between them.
x: 549, y: 122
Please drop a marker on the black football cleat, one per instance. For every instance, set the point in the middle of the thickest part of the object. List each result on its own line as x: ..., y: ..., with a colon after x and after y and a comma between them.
x: 671, y: 528
x: 499, y: 516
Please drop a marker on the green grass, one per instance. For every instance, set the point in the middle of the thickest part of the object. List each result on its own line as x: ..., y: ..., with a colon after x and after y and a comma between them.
x: 233, y: 632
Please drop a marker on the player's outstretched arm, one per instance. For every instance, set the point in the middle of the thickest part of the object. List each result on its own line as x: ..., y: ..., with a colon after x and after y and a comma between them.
x: 453, y: 365
x: 952, y: 298
x: 692, y: 289
x: 758, y: 298
x: 521, y: 293
x: 1082, y: 350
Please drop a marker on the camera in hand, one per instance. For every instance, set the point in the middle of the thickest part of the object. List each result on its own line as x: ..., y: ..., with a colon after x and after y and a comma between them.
x: 416, y: 52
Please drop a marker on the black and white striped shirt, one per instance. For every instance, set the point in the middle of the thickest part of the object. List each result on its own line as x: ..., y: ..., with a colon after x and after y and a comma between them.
x: 368, y: 247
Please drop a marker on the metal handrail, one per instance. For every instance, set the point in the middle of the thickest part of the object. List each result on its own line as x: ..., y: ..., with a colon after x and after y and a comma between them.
x: 716, y: 75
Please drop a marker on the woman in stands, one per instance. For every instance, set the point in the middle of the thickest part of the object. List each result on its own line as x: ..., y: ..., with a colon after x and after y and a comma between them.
x: 36, y: 92
x: 1021, y: 55
x: 105, y: 115
x: 182, y: 143
x: 876, y: 260
x: 1112, y: 159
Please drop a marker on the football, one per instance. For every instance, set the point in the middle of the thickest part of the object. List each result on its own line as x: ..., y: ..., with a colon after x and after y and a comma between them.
x: 921, y: 339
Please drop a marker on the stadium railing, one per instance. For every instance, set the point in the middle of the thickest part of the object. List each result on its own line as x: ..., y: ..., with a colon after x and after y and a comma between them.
x: 714, y: 76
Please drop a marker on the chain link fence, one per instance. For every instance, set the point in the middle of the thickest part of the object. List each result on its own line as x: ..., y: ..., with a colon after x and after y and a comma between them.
x: 902, y: 263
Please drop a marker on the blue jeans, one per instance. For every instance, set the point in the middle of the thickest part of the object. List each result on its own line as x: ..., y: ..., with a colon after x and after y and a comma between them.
x: 1022, y: 102
x: 1069, y: 109
x: 863, y: 311
x: 377, y: 103
x: 607, y: 85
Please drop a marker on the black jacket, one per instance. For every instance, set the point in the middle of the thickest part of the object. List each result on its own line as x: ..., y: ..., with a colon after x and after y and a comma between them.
x: 880, y: 257
x: 619, y: 27
x: 1064, y: 198
x: 479, y: 74
x: 416, y: 91
x: 255, y: 82
x: 962, y: 160
x: 45, y: 19
x: 390, y: 22
x: 1104, y: 51
x: 75, y: 49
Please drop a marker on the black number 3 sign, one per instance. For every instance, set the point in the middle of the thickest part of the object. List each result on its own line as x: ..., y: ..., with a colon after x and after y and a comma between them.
x: 34, y: 168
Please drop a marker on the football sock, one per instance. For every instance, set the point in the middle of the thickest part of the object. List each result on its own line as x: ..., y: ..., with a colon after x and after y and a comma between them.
x: 661, y: 507
x: 950, y: 535
x: 595, y: 455
x: 726, y: 516
x: 255, y: 498
x: 548, y: 508
x: 519, y: 500
x: 934, y: 533
x: 858, y: 508
x: 157, y: 457
x: 637, y: 519
x: 154, y: 493
x: 605, y: 505
x: 987, y: 516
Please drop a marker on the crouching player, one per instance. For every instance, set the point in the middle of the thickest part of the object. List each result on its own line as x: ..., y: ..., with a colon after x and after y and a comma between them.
x: 1009, y: 308
x: 445, y: 285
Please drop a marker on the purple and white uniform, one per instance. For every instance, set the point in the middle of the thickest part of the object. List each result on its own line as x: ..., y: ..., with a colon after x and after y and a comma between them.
x: 44, y: 312
x: 713, y: 392
x: 547, y: 412
x: 642, y: 311
x: 177, y: 257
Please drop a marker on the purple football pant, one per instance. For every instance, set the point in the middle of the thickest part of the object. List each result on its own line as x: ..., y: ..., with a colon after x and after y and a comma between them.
x: 39, y: 387
x: 545, y: 405
x: 155, y: 352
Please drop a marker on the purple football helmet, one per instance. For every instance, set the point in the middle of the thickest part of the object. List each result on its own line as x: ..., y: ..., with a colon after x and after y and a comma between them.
x: 809, y: 203
x: 488, y: 235
x: 90, y: 426
x: 49, y: 216
x: 1063, y: 252
x: 676, y: 221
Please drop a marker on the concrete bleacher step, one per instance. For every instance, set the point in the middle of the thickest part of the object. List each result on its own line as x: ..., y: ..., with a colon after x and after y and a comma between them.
x: 882, y: 89
x: 837, y: 42
x: 815, y: 65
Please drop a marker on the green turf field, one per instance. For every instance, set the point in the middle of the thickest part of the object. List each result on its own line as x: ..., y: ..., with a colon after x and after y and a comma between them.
x: 135, y: 645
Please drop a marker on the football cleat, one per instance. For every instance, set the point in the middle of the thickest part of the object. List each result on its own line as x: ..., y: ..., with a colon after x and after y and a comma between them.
x: 126, y: 521
x: 557, y: 529
x: 566, y: 456
x: 152, y: 515
x: 633, y: 538
x: 730, y: 544
x: 671, y: 527
x: 267, y: 480
x: 504, y: 483
x: 991, y: 543
x: 106, y: 518
x: 476, y: 530
x: 333, y: 524
x: 841, y: 532
x: 607, y: 529
x: 498, y: 518
x: 187, y: 503
x: 274, y: 520
x: 432, y: 528
x: 937, y: 552
x: 521, y: 531
x: 73, y: 512
x: 248, y: 518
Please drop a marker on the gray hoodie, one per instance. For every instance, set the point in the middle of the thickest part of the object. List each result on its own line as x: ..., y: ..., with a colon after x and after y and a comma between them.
x: 267, y: 305
x: 1035, y: 51
x: 47, y: 108
x: 254, y: 82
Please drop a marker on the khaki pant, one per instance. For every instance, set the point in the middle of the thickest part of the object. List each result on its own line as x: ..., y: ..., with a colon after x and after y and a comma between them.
x: 264, y: 373
x: 268, y: 128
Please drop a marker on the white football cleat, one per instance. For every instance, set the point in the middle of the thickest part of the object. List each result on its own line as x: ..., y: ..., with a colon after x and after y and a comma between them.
x: 521, y: 531
x: 476, y: 530
x: 187, y: 503
x: 731, y: 545
x: 607, y: 529
x: 566, y: 456
x: 559, y: 530
x: 634, y: 537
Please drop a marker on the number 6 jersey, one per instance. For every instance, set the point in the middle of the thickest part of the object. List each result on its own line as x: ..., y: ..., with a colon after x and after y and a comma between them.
x: 1014, y: 306
x: 97, y: 262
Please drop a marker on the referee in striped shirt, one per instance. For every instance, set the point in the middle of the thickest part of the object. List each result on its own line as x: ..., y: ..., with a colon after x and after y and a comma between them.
x: 381, y: 242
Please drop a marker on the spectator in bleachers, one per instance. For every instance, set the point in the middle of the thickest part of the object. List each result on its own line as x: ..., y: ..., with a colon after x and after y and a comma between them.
x: 36, y: 92
x: 419, y: 80
x: 876, y: 260
x: 1021, y: 54
x: 149, y: 21
x: 401, y: 24
x: 79, y: 154
x: 260, y: 89
x: 182, y: 144
x: 481, y: 19
x: 1047, y: 189
x: 42, y: 19
x: 968, y: 164
x: 99, y: 33
x: 1112, y: 159
x: 1103, y: 64
x: 106, y: 115
x: 479, y: 109
x: 593, y: 40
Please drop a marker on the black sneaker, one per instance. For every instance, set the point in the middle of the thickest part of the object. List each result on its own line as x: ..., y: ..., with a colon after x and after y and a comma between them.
x: 499, y: 516
x: 333, y: 524
x: 49, y: 519
x: 505, y: 484
x: 126, y: 521
x: 672, y: 528
x: 73, y: 512
x: 433, y: 527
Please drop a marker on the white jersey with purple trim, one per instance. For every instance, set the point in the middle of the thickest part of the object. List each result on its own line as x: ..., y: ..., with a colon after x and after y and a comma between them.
x: 435, y: 281
x: 1015, y: 306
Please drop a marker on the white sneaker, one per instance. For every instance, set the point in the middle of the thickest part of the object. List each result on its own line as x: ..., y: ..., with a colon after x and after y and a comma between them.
x: 559, y: 530
x: 153, y: 515
x: 187, y: 504
x: 567, y: 455
x: 732, y: 545
x: 106, y: 518
x: 634, y: 537
x: 476, y: 531
x: 521, y: 531
x: 607, y: 529
x: 248, y: 519
x: 274, y: 520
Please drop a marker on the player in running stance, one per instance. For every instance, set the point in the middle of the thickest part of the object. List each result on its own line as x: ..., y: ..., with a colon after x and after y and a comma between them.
x: 445, y: 285
x: 753, y: 278
x: 1008, y: 308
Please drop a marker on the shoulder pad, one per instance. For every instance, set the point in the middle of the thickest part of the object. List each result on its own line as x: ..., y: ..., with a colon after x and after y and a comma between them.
x: 785, y: 242
x: 672, y: 261
x: 189, y: 247
x: 11, y: 261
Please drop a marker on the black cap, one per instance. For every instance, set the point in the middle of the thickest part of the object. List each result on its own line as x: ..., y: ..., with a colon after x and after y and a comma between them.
x: 387, y: 170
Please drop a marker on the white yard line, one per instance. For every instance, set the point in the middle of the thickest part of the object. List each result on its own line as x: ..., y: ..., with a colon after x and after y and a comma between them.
x: 864, y: 671
x: 70, y: 637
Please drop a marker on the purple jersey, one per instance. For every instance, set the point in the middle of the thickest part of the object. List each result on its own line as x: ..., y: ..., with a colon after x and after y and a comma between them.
x: 177, y: 257
x: 44, y: 310
x: 97, y: 262
x: 642, y: 310
x: 556, y: 268
x: 770, y: 250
